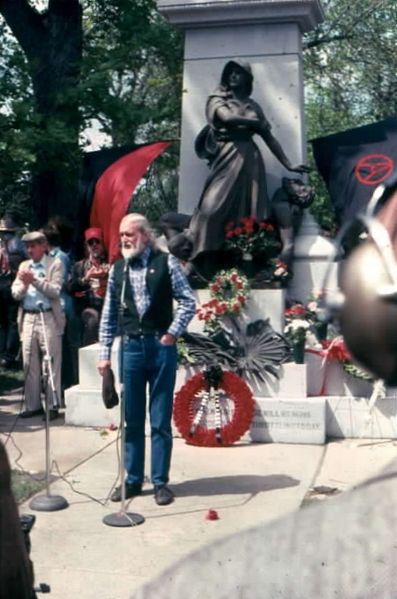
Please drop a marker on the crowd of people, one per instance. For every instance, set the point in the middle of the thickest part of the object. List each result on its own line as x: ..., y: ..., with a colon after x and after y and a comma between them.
x: 61, y: 306
x: 41, y: 284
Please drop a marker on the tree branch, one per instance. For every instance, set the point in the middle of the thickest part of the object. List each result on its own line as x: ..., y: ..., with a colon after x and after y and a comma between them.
x: 26, y: 23
x: 326, y: 39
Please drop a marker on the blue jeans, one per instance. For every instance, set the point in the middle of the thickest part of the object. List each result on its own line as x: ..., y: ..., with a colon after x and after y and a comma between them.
x: 147, y: 362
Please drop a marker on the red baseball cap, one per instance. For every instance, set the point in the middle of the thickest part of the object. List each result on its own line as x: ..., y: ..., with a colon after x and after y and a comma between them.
x: 93, y: 233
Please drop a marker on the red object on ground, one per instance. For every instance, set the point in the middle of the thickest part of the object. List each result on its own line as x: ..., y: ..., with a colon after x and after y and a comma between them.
x: 212, y: 515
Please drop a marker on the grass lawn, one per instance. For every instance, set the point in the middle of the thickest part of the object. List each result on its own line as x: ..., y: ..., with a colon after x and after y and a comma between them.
x: 10, y: 380
x: 24, y: 486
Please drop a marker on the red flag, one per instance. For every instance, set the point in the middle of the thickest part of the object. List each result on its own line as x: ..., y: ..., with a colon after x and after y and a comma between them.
x: 114, y: 189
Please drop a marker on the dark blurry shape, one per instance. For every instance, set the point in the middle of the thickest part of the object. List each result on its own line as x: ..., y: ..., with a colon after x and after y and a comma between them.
x: 341, y: 548
x: 16, y: 570
x: 107, y: 183
x: 12, y: 252
x: 353, y: 162
x: 368, y: 320
x: 65, y: 230
x: 109, y: 393
x: 366, y: 304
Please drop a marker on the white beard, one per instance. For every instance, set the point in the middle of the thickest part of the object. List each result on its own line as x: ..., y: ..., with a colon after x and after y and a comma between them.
x: 132, y: 251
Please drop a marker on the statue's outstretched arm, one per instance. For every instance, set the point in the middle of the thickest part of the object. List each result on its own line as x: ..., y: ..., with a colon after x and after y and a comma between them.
x: 275, y: 147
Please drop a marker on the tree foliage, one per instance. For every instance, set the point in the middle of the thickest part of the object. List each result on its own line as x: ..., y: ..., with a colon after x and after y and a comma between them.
x: 350, y: 73
x: 66, y: 64
x: 124, y: 74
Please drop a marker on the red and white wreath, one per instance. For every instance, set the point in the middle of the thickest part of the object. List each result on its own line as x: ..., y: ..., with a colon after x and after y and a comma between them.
x: 213, y: 415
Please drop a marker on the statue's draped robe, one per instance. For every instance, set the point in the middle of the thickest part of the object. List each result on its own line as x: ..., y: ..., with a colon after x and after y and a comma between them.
x: 236, y: 185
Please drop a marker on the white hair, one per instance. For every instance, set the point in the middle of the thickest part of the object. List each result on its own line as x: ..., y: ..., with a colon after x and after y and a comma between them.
x: 134, y: 218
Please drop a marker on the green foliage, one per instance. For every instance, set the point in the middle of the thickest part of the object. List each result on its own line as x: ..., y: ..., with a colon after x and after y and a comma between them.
x: 10, y: 380
x: 23, y: 485
x: 132, y: 67
x: 350, y: 66
x: 130, y: 86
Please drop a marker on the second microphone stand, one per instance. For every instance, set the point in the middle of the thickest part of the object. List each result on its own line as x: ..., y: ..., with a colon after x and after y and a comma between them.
x: 48, y: 502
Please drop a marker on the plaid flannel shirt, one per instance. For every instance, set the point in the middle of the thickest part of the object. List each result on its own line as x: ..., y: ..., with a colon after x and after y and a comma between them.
x: 181, y: 292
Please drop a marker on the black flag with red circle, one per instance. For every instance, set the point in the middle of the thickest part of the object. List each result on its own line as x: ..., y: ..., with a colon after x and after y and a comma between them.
x: 353, y: 162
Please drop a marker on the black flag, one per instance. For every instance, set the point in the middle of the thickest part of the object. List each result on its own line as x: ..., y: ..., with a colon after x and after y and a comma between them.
x: 353, y: 162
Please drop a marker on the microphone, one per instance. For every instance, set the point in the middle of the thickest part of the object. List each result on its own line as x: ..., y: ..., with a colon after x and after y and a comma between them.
x: 123, y: 304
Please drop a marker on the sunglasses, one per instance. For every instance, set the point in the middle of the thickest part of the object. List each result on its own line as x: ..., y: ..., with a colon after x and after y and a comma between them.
x: 93, y: 241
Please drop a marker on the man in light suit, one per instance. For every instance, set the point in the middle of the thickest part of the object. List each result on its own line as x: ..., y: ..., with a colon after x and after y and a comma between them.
x: 37, y: 286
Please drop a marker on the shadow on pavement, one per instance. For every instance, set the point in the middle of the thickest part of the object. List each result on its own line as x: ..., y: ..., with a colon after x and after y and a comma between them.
x: 230, y: 485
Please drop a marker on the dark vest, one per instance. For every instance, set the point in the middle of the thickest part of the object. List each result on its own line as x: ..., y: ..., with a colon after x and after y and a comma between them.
x: 159, y: 315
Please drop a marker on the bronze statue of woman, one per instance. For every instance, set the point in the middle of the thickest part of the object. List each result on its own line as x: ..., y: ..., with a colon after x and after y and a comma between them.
x: 236, y: 185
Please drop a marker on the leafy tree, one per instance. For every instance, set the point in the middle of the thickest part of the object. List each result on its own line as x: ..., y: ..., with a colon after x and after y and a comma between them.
x: 51, y: 41
x: 350, y: 72
x: 118, y: 64
x: 131, y: 85
x: 126, y: 77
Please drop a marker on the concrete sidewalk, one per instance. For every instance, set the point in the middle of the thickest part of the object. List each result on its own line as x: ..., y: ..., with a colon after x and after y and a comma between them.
x: 78, y: 555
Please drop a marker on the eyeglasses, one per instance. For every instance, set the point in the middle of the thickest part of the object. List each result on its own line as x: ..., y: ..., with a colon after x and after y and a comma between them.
x: 93, y: 241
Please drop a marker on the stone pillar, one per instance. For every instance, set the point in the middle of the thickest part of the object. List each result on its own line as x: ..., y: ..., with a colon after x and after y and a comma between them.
x: 265, y: 33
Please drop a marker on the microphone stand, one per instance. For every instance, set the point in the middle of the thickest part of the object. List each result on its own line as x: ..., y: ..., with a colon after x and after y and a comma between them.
x: 48, y: 502
x: 122, y: 518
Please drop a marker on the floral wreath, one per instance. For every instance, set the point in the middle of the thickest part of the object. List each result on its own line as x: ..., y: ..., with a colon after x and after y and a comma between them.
x: 228, y: 400
x: 229, y: 291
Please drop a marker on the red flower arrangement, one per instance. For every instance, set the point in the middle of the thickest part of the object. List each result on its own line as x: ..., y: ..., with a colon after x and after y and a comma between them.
x: 295, y: 311
x: 252, y: 236
x: 229, y: 292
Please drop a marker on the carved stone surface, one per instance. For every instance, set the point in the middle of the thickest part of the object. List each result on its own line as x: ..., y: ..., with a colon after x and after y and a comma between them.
x: 289, y: 421
x: 185, y: 13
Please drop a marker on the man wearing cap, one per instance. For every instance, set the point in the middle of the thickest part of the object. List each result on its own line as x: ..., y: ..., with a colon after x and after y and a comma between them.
x: 37, y: 287
x: 145, y: 285
x: 87, y: 285
x: 12, y: 253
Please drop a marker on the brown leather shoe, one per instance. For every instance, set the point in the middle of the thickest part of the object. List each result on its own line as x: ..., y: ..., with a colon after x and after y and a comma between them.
x: 53, y: 415
x: 31, y: 413
x: 163, y: 495
x: 131, y: 490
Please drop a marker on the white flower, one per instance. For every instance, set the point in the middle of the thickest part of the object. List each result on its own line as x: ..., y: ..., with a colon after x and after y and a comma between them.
x: 312, y: 306
x: 296, y: 324
x: 312, y: 341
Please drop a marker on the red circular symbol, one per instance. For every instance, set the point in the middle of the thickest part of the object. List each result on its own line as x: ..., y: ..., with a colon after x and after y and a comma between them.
x: 373, y: 169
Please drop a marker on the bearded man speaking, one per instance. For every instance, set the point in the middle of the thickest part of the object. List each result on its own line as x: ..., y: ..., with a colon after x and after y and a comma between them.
x: 139, y: 302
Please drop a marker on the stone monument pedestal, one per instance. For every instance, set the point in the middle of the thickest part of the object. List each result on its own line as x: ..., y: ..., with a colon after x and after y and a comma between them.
x: 84, y: 403
x: 265, y: 33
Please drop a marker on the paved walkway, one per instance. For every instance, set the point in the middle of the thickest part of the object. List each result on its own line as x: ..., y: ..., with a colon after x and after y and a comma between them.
x: 78, y: 555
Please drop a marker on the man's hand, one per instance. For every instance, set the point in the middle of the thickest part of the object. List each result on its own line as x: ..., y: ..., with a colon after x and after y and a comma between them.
x: 168, y: 339
x: 26, y: 276
x: 103, y: 365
